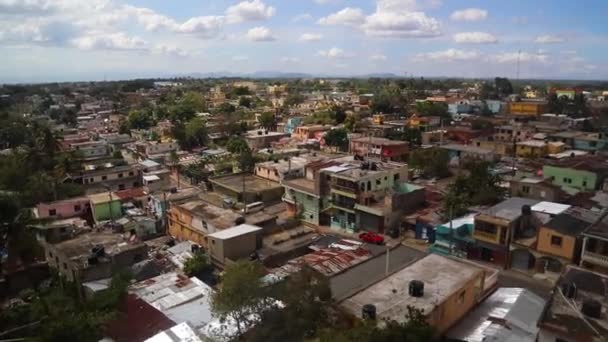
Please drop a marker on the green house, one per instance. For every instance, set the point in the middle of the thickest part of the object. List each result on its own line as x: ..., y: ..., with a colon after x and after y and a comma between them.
x: 576, y: 175
x: 105, y: 206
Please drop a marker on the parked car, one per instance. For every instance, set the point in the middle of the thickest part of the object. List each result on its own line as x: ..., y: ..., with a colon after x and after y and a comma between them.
x: 371, y: 237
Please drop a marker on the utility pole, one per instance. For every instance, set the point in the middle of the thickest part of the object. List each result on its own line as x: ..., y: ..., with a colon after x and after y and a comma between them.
x: 387, y: 259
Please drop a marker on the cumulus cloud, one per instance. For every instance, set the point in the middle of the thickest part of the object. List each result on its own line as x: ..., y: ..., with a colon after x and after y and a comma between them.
x: 347, y: 16
x: 171, y: 50
x: 475, y: 38
x: 254, y: 10
x: 513, y: 57
x: 334, y: 52
x: 311, y: 37
x: 401, y: 25
x: 105, y: 41
x: 549, y: 39
x: 378, y: 57
x: 260, y: 34
x: 448, y: 55
x: 469, y: 14
x: 240, y: 58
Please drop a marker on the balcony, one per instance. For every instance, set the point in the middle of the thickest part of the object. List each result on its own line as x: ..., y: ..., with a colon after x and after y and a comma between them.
x: 345, y: 188
x: 486, y: 236
x: 344, y: 204
x: 595, y: 258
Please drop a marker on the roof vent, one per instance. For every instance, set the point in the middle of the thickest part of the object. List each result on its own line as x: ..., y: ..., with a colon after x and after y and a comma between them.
x: 416, y: 288
x: 368, y: 312
x: 592, y: 308
x: 569, y: 290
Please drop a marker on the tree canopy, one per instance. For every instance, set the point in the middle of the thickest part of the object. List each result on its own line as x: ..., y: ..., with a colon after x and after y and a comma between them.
x: 432, y: 162
x: 337, y: 137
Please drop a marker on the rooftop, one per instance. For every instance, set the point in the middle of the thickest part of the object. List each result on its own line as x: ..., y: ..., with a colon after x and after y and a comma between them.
x: 563, y: 314
x: 572, y: 222
x: 104, y: 197
x: 180, y: 298
x: 79, y: 248
x: 442, y: 277
x: 378, y: 141
x: 509, y: 314
x: 302, y: 184
x: 509, y: 209
x: 335, y: 258
x: 532, y: 143
x: 251, y: 183
x: 220, y: 218
x: 466, y: 148
x: 233, y: 232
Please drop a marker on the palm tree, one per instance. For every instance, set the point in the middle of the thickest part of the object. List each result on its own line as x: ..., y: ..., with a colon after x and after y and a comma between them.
x: 17, y: 243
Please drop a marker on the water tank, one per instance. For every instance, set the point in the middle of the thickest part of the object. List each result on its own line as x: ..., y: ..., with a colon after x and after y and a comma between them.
x: 92, y: 260
x: 569, y: 290
x: 368, y: 311
x: 592, y: 308
x: 173, y: 190
x: 416, y: 288
x: 195, y: 248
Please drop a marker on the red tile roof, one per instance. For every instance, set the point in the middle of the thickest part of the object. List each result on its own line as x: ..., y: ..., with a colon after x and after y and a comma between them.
x: 137, y: 321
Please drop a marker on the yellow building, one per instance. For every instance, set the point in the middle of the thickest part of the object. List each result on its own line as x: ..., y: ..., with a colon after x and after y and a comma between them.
x: 531, y: 149
x: 378, y: 119
x: 527, y: 109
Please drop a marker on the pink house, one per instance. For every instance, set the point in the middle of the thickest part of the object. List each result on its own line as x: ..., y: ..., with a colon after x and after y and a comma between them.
x: 63, y: 209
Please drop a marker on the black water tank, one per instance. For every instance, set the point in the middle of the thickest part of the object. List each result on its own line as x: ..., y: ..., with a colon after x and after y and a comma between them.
x: 416, y: 288
x: 195, y: 248
x: 592, y: 308
x: 92, y: 260
x: 368, y: 311
x: 569, y: 290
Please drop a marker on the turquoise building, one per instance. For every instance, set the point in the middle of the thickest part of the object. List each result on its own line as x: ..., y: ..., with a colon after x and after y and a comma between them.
x: 455, y: 237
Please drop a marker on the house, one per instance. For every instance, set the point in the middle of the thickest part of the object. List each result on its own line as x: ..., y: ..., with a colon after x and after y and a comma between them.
x: 444, y: 289
x: 59, y: 230
x: 527, y: 109
x: 509, y: 311
x: 105, y: 206
x: 72, y: 207
x: 500, y: 148
x: 531, y: 149
x: 464, y: 152
x: 100, y: 178
x: 91, y: 150
x: 454, y: 237
x: 93, y: 256
x: 535, y: 188
x: 234, y: 243
x: 594, y: 254
x: 277, y: 170
x: 304, y: 133
x: 291, y: 124
x: 193, y: 221
x: 156, y: 150
x: 552, y: 242
x: 494, y: 229
x: 583, y: 173
x: 260, y: 138
x: 245, y: 187
x: 576, y: 311
x: 380, y: 148
x: 513, y: 133
x: 161, y: 201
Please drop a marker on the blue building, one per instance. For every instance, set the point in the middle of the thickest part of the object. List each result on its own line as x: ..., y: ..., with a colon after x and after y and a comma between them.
x: 455, y: 237
x: 292, y: 124
x: 495, y: 106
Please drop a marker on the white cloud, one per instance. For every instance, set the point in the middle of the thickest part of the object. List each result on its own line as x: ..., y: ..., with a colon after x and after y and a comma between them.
x: 254, y: 10
x: 290, y: 60
x: 475, y: 38
x: 325, y: 2
x: 401, y: 25
x: 448, y: 55
x: 469, y: 14
x: 302, y: 17
x: 378, y: 57
x: 105, y: 41
x: 311, y: 37
x: 549, y: 39
x: 170, y: 50
x: 260, y: 34
x: 334, y: 52
x: 240, y: 58
x: 513, y: 57
x: 346, y: 16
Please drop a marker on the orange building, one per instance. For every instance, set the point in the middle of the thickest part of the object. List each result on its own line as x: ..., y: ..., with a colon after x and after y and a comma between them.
x: 528, y: 109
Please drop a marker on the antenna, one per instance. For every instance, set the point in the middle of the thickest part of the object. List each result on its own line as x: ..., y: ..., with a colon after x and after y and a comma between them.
x: 518, y: 60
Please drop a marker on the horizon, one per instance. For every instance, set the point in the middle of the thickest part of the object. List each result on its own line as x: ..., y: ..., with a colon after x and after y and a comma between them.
x: 43, y: 41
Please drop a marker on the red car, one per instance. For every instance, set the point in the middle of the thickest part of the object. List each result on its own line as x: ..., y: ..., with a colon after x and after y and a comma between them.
x: 371, y: 237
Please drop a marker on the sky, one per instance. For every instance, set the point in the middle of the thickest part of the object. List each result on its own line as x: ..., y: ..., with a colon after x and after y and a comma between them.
x: 70, y: 40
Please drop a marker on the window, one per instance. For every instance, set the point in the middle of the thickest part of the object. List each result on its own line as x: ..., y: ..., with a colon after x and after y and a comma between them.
x: 77, y: 207
x: 584, y: 183
x: 556, y: 240
x: 205, y: 224
x: 525, y: 189
x: 130, y: 173
x: 396, y: 177
x: 104, y: 178
x: 120, y: 175
x: 461, y: 297
x: 567, y: 180
x: 65, y: 266
x: 52, y: 212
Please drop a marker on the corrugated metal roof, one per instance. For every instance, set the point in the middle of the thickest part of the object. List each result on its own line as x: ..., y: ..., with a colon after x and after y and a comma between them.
x: 179, y: 333
x: 509, y: 314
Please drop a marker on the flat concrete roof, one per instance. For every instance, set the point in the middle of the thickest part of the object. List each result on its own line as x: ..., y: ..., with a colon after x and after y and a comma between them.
x: 233, y: 232
x: 442, y: 277
x: 253, y: 183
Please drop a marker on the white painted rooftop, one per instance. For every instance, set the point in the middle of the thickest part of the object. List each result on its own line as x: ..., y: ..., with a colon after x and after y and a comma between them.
x: 235, y: 231
x: 179, y: 333
x: 551, y: 208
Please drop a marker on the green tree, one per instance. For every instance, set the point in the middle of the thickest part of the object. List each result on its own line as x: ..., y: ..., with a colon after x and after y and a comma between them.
x: 242, y: 296
x: 240, y: 91
x: 196, y: 132
x: 337, y: 138
x: 294, y: 99
x: 245, y: 102
x: 338, y: 114
x: 237, y: 145
x: 267, y: 120
x: 503, y: 86
x: 352, y: 122
x: 198, y: 265
x: 225, y: 108
x: 138, y: 119
x: 389, y: 100
x: 429, y: 108
x: 432, y: 162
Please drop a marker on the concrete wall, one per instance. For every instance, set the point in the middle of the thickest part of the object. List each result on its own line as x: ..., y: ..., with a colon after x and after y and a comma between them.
x: 579, y: 179
x: 101, y: 211
x: 566, y: 250
x: 64, y: 209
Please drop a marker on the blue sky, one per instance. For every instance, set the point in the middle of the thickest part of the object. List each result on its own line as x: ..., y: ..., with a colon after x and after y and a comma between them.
x: 56, y: 40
